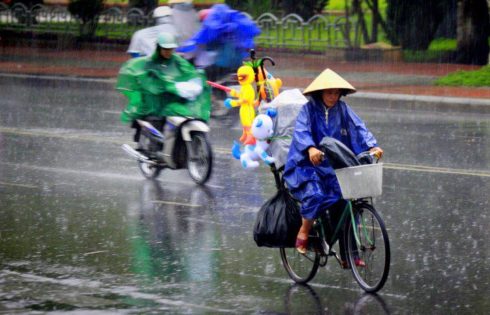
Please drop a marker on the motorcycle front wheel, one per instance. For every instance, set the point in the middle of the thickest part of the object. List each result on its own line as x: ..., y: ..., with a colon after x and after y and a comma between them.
x: 199, y: 158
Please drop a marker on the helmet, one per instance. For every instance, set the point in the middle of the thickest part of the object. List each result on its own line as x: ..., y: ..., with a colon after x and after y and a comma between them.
x: 167, y: 40
x: 161, y: 12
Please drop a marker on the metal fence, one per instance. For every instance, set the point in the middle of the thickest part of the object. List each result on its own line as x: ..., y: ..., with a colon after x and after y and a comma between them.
x: 291, y: 31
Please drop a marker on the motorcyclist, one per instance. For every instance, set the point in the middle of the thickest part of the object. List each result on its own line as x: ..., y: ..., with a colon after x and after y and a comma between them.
x: 222, y: 42
x: 143, y: 41
x: 163, y: 84
x: 178, y: 18
x: 185, y: 18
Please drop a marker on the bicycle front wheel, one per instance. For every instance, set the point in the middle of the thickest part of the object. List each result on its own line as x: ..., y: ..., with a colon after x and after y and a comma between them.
x: 300, y: 267
x: 372, y: 247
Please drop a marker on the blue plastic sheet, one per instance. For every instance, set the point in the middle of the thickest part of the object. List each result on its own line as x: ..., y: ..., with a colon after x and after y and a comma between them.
x: 228, y: 32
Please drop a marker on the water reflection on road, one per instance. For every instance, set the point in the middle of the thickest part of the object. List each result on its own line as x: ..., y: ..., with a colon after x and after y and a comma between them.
x: 81, y: 229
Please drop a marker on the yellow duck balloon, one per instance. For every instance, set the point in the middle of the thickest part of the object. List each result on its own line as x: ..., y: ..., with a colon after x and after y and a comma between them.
x: 246, y: 101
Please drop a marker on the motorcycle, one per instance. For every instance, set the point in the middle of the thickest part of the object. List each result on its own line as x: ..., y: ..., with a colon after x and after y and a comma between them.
x: 175, y: 143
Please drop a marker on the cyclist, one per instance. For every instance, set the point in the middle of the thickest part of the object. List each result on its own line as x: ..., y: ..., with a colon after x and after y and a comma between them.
x: 309, y: 177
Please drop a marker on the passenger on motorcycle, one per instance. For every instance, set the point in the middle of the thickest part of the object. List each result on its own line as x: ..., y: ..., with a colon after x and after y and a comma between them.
x: 185, y: 18
x: 163, y: 84
x: 143, y: 41
x: 310, y: 178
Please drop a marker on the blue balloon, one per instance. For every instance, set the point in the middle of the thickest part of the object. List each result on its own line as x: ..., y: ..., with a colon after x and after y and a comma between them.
x: 228, y: 103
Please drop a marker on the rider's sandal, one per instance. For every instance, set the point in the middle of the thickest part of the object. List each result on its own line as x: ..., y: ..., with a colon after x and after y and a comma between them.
x: 345, y: 264
x: 358, y: 261
x: 301, y: 245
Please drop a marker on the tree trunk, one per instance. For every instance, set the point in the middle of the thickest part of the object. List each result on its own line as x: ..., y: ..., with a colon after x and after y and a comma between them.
x: 378, y: 19
x: 88, y: 28
x: 375, y: 21
x: 356, y: 7
x: 348, y: 24
x: 415, y: 22
x: 472, y: 32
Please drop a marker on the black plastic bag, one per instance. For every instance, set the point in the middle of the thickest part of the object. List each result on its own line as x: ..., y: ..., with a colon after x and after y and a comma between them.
x: 365, y: 158
x: 278, y: 221
x: 338, y: 154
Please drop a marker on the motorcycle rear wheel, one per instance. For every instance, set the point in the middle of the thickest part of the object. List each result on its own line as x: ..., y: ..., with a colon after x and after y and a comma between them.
x: 149, y: 171
x: 199, y: 158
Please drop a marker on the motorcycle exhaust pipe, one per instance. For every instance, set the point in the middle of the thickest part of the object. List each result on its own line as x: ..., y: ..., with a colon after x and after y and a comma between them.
x: 135, y: 154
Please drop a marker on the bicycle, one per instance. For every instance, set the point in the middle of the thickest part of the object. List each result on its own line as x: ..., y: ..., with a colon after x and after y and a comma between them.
x: 364, y: 233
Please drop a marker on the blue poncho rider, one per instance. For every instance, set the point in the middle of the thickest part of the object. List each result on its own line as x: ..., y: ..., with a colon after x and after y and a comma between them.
x: 309, y: 177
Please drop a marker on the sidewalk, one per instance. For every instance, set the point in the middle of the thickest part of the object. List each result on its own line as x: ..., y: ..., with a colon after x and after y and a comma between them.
x: 294, y: 70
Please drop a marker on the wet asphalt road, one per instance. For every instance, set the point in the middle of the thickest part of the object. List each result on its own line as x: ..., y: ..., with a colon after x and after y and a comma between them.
x: 82, y: 231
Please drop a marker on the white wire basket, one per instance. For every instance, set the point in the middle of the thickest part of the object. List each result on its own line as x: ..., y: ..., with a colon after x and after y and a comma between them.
x: 361, y: 181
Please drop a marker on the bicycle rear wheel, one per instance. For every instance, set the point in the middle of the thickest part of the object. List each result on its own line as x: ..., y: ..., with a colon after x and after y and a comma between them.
x: 373, y: 248
x: 300, y: 267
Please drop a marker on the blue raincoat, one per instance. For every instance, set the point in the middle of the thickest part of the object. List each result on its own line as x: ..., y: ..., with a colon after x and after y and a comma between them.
x: 228, y: 32
x: 316, y: 186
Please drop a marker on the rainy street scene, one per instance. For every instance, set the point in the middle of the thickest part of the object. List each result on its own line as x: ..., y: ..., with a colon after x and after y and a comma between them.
x: 142, y: 143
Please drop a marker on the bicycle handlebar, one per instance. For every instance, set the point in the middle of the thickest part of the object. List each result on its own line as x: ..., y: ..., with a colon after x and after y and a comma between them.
x: 372, y: 154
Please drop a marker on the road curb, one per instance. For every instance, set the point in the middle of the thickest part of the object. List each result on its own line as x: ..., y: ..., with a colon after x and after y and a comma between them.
x: 418, y: 102
x: 364, y: 99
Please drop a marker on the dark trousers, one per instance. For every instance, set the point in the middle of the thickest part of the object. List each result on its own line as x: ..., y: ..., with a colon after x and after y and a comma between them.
x: 333, y: 216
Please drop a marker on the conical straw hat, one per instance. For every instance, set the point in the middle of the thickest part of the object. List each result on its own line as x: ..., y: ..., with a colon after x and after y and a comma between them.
x: 328, y: 79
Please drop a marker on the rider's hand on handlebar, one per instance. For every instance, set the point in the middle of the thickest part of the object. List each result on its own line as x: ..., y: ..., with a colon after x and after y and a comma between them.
x: 377, y: 152
x: 316, y: 156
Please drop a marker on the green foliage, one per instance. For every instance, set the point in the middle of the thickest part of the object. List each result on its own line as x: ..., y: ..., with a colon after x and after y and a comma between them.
x: 476, y: 78
x: 339, y: 5
x: 305, y: 8
x: 336, y: 5
x: 440, y: 50
x: 443, y: 44
x: 436, y: 56
x: 253, y: 7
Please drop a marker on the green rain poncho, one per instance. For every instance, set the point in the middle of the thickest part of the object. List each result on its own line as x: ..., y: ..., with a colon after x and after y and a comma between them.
x: 151, y: 86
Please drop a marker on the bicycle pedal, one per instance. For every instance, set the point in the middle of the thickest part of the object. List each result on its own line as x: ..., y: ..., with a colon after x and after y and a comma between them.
x: 323, y: 260
x: 325, y: 246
